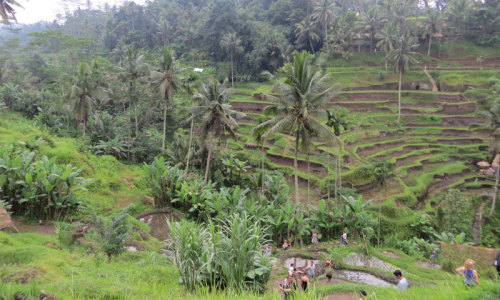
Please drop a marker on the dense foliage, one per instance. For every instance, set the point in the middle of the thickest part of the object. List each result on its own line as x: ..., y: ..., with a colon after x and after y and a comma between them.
x: 38, y: 187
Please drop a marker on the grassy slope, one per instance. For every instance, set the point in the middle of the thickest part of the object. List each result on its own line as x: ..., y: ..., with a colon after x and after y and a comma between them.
x: 114, y: 185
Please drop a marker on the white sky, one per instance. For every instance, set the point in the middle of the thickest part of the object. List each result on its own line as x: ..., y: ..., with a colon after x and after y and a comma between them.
x: 46, y: 10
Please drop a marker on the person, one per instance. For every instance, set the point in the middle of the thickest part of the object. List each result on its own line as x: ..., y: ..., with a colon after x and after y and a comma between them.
x: 402, y: 282
x: 267, y: 251
x: 286, y: 245
x: 344, y: 238
x: 314, y: 238
x: 311, y: 270
x: 291, y: 269
x: 433, y: 255
x: 288, y: 288
x: 497, y: 263
x: 304, y: 281
x: 329, y: 270
x: 468, y: 272
x: 362, y: 294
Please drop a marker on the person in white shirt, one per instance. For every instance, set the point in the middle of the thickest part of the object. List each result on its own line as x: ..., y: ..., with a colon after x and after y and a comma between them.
x: 344, y: 238
x: 402, y: 282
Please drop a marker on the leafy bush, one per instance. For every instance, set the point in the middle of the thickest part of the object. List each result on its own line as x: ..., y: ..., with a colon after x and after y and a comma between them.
x: 110, y: 233
x: 223, y: 255
x: 38, y: 188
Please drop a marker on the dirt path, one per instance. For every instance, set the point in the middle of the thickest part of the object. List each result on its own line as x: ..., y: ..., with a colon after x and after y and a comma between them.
x: 476, y: 227
x: 433, y: 82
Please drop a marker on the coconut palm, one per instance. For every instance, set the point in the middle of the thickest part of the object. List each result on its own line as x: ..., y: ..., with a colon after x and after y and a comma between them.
x: 386, y: 40
x: 337, y: 120
x: 218, y: 118
x: 7, y: 10
x: 166, y: 81
x: 305, y: 32
x: 433, y: 23
x: 302, y: 95
x: 402, y: 56
x: 82, y: 91
x: 371, y: 22
x: 323, y: 13
x: 232, y: 44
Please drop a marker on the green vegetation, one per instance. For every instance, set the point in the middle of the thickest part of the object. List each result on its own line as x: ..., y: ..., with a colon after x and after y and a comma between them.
x: 133, y: 171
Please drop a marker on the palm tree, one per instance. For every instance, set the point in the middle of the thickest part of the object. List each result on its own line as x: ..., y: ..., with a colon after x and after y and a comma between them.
x: 232, y: 44
x: 218, y: 118
x: 302, y: 95
x: 459, y: 12
x: 323, y: 13
x: 433, y: 23
x: 305, y: 31
x: 81, y: 90
x: 371, y: 22
x: 134, y: 67
x: 337, y: 120
x: 387, y: 39
x: 7, y: 10
x: 402, y: 57
x: 166, y: 81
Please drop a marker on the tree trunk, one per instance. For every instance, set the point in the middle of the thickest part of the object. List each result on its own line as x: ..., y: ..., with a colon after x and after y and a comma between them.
x: 326, y: 36
x: 189, y: 146
x: 296, y: 167
x: 430, y: 42
x: 495, y: 191
x: 311, y: 45
x: 208, y: 158
x: 232, y: 72
x: 165, y: 102
x: 262, y: 168
x: 378, y: 235
x: 109, y: 258
x: 84, y: 123
x: 399, y: 97
x: 308, y: 173
x: 340, y: 159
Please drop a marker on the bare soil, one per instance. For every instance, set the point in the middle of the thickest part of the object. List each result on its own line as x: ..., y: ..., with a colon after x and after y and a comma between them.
x: 461, y: 109
x: 460, y: 142
x: 313, y: 167
x: 251, y: 107
x: 362, y: 107
x: 406, y: 160
x: 406, y: 149
x: 451, y: 98
x: 390, y: 254
x: 428, y: 265
x: 367, y: 151
x: 19, y: 223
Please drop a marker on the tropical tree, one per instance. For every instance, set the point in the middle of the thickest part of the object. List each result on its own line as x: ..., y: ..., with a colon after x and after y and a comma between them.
x: 166, y: 81
x: 82, y: 91
x: 302, y: 95
x: 386, y: 40
x: 337, y: 119
x: 7, y: 10
x: 323, y: 13
x: 433, y: 23
x: 232, y: 44
x: 134, y: 67
x: 10, y: 93
x: 305, y: 32
x: 371, y: 22
x: 402, y: 56
x: 218, y: 118
x: 459, y: 12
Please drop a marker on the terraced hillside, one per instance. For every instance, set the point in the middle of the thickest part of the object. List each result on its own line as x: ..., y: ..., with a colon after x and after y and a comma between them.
x: 433, y: 149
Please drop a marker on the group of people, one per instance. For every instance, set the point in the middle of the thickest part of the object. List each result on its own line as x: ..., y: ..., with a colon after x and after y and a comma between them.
x: 305, y: 275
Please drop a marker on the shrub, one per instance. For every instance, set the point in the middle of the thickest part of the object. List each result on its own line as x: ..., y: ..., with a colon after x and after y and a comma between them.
x: 38, y: 188
x: 111, y: 233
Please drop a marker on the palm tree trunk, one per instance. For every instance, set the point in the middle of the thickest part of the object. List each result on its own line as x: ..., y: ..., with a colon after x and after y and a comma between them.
x: 84, y: 123
x: 208, y: 158
x: 165, y: 102
x: 308, y: 173
x: 262, y: 168
x: 296, y: 167
x: 378, y: 235
x: 311, y: 45
x: 189, y: 146
x: 399, y: 97
x: 232, y: 71
x: 326, y: 36
x: 495, y: 191
x: 430, y: 42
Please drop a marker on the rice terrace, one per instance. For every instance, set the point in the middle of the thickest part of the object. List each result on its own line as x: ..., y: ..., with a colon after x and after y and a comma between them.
x: 249, y: 149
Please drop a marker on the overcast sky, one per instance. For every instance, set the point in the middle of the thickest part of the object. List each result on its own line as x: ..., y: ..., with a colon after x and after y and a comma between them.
x: 46, y: 10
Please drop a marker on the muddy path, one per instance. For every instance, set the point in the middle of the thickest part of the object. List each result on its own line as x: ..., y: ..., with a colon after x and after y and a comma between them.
x: 459, y: 141
x: 362, y: 107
